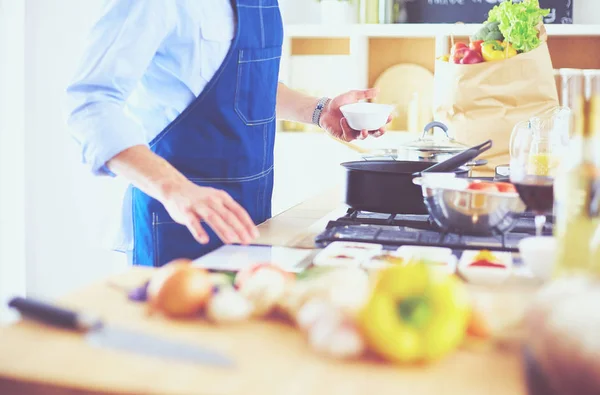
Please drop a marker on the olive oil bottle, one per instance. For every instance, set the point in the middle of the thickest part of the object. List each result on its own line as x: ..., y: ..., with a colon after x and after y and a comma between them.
x: 577, y: 205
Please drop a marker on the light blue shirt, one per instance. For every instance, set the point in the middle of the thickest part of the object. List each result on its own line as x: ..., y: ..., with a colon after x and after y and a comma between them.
x: 144, y: 63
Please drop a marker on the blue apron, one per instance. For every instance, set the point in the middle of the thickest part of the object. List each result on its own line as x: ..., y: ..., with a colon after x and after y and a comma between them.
x: 224, y: 139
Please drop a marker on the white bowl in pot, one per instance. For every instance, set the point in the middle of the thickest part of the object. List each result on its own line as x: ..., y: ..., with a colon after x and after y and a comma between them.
x: 538, y: 253
x: 367, y: 116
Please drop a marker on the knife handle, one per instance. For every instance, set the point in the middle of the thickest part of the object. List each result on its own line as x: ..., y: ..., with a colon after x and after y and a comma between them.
x: 53, y: 315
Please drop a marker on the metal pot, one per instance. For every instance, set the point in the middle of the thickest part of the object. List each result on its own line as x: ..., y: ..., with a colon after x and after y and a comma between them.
x: 472, y: 212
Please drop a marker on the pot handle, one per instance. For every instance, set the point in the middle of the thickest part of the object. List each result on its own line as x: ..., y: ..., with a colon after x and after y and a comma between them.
x: 435, y: 124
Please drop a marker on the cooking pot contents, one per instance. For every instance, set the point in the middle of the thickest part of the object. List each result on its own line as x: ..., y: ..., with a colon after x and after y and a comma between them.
x: 536, y: 149
x: 472, y: 207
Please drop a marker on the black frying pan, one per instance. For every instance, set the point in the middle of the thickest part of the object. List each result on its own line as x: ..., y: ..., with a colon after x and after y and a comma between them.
x: 387, y: 186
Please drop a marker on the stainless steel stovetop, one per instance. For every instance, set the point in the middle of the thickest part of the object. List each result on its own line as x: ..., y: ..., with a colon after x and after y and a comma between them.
x: 393, y: 231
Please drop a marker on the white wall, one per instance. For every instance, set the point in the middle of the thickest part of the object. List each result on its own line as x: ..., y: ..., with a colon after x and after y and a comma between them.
x: 12, y: 151
x: 586, y: 11
x: 67, y: 209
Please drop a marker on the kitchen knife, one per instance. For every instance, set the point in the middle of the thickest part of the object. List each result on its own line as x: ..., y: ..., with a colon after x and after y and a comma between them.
x: 99, y: 334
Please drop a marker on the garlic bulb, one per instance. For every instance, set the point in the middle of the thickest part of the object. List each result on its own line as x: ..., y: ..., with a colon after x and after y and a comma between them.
x: 228, y: 306
x: 333, y: 334
x: 263, y: 289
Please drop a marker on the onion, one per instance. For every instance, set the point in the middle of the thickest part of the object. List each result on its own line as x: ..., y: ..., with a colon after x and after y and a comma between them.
x: 178, y: 289
x: 563, y: 334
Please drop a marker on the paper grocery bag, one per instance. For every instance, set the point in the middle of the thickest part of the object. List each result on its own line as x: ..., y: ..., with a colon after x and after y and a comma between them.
x: 486, y: 100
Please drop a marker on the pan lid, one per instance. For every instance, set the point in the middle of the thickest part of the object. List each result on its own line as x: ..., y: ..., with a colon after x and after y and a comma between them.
x: 429, y: 142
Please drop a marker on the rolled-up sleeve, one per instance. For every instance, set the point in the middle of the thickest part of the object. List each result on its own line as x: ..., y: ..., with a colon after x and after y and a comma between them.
x: 120, y: 47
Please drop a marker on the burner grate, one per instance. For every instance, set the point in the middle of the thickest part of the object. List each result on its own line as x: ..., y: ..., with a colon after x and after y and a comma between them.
x: 395, y: 230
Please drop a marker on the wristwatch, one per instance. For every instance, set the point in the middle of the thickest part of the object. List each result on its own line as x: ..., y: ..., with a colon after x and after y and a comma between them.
x: 321, y: 104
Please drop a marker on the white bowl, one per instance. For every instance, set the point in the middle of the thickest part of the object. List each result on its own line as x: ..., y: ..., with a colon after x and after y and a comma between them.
x: 537, y: 253
x: 367, y: 116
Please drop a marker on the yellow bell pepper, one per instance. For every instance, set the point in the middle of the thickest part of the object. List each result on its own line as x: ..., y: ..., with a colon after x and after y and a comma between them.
x: 497, y: 50
x: 415, y: 314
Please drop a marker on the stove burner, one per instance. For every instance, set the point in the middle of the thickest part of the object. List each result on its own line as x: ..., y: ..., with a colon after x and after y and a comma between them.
x: 394, y: 230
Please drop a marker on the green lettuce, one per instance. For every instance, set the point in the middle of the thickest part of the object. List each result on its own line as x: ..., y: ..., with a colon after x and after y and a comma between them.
x: 519, y: 22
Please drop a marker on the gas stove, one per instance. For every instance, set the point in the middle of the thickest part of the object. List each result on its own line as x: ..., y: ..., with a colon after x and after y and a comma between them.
x: 395, y: 230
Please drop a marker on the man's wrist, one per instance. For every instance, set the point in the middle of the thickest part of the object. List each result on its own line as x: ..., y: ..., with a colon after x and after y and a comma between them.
x: 319, y: 110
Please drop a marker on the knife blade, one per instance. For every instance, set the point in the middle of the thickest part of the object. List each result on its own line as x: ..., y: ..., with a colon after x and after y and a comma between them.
x: 99, y: 334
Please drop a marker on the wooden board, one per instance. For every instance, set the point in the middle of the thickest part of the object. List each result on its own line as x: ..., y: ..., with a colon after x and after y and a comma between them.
x: 271, y: 358
x: 320, y: 46
x: 574, y: 52
x: 386, y: 52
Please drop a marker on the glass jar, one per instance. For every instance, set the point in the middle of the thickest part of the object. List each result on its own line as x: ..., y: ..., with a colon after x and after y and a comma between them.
x: 572, y: 96
x: 592, y: 94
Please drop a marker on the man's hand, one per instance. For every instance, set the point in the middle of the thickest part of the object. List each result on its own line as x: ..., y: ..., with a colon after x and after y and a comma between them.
x: 189, y: 204
x: 333, y: 121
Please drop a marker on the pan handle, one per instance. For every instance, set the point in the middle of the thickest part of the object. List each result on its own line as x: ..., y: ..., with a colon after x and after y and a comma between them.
x: 483, y: 146
x: 460, y: 159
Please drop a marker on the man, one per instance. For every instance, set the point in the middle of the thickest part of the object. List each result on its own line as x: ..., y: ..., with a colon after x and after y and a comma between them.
x: 179, y: 97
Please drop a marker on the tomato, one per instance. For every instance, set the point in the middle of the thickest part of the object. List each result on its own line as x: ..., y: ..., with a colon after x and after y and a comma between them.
x: 483, y: 186
x: 506, y: 187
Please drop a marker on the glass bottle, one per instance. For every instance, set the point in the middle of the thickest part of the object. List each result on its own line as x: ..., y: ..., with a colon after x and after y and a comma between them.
x: 571, y: 95
x: 577, y: 204
x: 592, y: 91
x: 368, y: 11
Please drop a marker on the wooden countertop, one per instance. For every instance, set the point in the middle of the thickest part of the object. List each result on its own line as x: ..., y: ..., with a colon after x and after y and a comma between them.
x: 271, y: 357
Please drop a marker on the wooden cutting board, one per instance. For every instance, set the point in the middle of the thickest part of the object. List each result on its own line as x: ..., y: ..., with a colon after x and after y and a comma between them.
x: 398, y: 85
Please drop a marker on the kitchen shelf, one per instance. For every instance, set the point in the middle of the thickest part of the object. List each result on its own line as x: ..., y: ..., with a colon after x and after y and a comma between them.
x: 361, y: 52
x: 417, y: 30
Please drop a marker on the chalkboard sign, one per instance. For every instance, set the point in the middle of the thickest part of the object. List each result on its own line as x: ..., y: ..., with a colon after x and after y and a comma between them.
x: 475, y: 11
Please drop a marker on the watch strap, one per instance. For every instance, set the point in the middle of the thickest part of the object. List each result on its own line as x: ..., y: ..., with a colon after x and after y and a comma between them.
x: 321, y: 104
